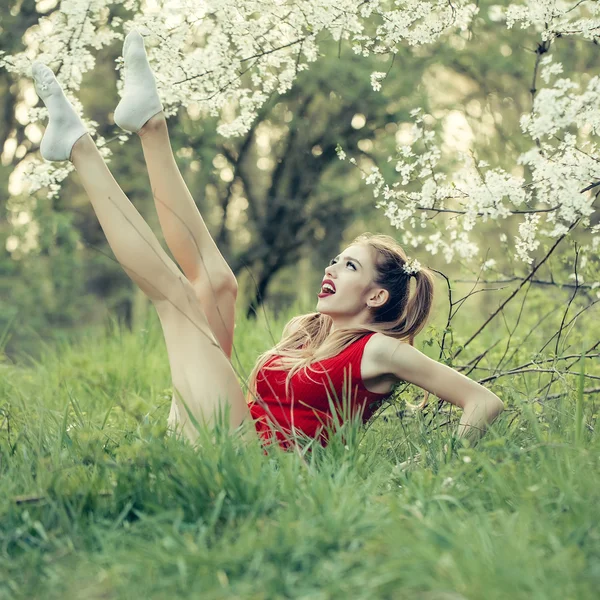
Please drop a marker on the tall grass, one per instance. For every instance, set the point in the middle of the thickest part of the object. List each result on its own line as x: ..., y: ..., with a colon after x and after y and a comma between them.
x: 97, y: 502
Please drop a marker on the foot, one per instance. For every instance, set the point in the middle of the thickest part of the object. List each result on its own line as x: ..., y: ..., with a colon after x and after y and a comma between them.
x: 140, y: 99
x: 64, y: 125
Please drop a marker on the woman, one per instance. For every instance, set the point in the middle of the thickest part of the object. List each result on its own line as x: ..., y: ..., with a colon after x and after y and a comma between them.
x: 354, y: 343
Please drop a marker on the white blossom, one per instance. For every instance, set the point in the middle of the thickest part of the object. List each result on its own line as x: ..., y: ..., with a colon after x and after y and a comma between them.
x: 376, y: 78
x: 227, y: 57
x: 563, y: 159
x: 525, y: 242
x: 411, y: 266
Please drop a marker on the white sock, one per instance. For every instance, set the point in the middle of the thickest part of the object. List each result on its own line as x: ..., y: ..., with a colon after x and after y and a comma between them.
x: 64, y: 125
x: 140, y: 99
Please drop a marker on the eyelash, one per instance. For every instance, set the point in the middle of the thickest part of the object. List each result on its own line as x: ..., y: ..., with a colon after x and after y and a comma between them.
x: 347, y: 263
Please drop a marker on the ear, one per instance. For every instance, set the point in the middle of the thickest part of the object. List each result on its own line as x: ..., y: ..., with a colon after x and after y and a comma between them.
x: 378, y: 298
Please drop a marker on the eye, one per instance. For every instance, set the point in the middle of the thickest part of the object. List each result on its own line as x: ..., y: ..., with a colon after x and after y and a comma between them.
x: 333, y: 261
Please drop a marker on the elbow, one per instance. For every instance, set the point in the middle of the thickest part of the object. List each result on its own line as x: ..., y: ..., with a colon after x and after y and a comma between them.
x: 490, y: 403
x: 494, y: 406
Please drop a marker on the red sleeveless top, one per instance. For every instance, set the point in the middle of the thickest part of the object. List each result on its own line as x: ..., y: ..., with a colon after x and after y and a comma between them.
x: 307, y: 409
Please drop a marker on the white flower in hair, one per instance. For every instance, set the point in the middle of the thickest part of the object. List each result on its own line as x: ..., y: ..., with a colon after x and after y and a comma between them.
x: 411, y: 266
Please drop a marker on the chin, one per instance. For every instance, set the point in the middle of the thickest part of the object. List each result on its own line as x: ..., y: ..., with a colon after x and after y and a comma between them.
x: 319, y: 308
x: 326, y: 311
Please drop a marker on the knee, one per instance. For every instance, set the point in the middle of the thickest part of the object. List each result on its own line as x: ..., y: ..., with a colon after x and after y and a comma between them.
x: 231, y: 285
x: 225, y: 283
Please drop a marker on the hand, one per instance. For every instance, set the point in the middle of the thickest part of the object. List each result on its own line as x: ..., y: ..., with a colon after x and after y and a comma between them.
x: 403, y: 466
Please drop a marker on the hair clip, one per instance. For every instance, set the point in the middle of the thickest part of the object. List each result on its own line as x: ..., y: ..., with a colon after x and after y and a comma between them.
x: 411, y: 266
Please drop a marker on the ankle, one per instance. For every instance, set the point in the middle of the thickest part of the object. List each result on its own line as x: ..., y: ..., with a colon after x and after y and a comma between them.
x: 157, y: 122
x: 81, y: 147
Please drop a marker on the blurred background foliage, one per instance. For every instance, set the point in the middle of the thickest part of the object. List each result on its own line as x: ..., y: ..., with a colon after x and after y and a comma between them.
x: 278, y: 201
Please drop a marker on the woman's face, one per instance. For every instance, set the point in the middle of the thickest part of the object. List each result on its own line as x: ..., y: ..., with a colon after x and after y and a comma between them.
x: 351, y: 274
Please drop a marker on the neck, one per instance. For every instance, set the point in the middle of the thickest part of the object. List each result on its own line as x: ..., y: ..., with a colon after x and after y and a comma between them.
x: 355, y: 321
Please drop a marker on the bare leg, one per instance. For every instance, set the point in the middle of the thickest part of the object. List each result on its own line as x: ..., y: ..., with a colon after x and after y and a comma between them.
x: 202, y: 374
x: 186, y: 233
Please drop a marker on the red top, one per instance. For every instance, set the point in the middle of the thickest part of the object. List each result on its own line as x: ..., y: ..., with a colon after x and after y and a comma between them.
x: 308, y: 408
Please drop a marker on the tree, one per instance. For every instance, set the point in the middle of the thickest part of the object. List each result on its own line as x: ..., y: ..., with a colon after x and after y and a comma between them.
x: 237, y: 61
x: 232, y: 56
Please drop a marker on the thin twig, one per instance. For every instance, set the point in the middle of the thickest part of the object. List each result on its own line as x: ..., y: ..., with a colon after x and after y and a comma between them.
x: 497, y: 311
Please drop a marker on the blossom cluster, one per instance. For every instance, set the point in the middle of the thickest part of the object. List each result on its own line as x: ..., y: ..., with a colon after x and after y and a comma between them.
x: 552, y: 187
x: 223, y: 57
x: 558, y: 172
x: 226, y: 57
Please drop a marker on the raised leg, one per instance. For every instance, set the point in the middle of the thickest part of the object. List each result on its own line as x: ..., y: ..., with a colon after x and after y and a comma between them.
x: 202, y: 374
x: 186, y: 233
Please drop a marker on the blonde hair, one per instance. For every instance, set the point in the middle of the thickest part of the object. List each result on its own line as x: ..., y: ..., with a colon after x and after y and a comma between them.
x: 308, y: 338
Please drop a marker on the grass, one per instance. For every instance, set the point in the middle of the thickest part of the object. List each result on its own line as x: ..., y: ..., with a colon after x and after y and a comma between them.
x: 97, y: 502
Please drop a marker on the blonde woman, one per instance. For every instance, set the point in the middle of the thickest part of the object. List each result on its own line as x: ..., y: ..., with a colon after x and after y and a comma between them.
x: 357, y: 344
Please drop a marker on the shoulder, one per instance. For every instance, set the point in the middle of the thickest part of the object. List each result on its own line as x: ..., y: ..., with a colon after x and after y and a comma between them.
x: 382, y: 353
x: 380, y: 345
x: 392, y: 357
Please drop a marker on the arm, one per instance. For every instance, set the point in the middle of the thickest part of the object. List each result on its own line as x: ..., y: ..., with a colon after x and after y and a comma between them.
x: 477, y: 416
x: 480, y: 406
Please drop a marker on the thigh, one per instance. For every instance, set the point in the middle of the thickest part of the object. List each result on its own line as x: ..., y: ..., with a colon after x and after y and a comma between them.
x: 203, y: 378
x: 218, y: 304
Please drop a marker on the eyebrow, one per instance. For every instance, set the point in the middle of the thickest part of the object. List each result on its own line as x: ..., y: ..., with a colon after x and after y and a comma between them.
x: 350, y: 258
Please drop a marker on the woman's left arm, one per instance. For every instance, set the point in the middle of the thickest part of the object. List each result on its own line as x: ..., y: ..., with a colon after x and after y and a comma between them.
x: 480, y: 406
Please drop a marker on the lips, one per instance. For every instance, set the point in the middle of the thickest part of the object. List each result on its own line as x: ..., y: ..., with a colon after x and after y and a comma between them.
x: 327, y: 288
